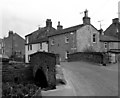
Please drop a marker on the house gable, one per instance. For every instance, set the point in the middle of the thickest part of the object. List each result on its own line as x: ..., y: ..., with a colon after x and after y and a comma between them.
x: 84, y: 37
x: 113, y: 29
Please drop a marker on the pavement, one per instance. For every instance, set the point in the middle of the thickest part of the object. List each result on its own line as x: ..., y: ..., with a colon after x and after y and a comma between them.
x: 112, y: 67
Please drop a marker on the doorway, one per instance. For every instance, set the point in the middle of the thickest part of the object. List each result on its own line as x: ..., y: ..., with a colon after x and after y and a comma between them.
x: 40, y: 79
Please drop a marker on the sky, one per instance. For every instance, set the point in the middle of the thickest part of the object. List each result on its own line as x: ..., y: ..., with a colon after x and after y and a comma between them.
x: 25, y: 16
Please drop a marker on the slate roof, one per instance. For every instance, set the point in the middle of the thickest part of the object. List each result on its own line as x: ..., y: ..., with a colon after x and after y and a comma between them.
x: 113, y: 30
x: 104, y: 38
x: 40, y: 35
x: 66, y: 30
x: 45, y: 39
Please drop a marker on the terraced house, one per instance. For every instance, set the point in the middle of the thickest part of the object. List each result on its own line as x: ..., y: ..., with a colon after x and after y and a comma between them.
x: 77, y: 38
x: 38, y: 40
x: 110, y: 41
x: 14, y: 44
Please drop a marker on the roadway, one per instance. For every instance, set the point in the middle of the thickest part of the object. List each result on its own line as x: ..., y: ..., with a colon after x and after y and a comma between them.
x: 92, y: 80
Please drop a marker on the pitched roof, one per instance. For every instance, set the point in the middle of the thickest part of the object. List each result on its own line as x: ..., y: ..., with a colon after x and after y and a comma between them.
x: 104, y: 38
x: 113, y: 30
x: 66, y: 30
x: 40, y: 35
x: 45, y: 39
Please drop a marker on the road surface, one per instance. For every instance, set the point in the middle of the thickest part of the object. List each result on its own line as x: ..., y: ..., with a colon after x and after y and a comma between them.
x: 92, y: 80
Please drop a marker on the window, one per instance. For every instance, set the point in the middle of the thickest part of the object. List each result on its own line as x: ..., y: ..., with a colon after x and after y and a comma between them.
x: 40, y: 45
x: 0, y: 46
x: 52, y: 42
x: 117, y: 30
x: 105, y: 45
x: 28, y: 57
x: 94, y: 38
x: 66, y: 54
x: 3, y: 51
x: 30, y: 47
x: 66, y: 39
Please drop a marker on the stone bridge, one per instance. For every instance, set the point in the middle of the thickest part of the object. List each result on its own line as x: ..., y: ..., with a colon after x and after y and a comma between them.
x: 44, y: 69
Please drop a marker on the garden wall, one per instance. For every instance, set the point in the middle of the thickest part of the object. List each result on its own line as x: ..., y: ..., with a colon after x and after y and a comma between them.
x: 95, y: 57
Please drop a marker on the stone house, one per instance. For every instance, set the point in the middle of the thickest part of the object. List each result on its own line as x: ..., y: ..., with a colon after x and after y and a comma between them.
x: 110, y: 41
x: 38, y: 40
x: 77, y: 38
x: 14, y: 44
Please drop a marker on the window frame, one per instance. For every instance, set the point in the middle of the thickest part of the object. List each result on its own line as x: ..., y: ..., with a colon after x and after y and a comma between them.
x: 52, y: 42
x: 0, y: 45
x: 66, y: 54
x: 66, y: 39
x: 105, y: 45
x: 28, y: 58
x: 40, y: 45
x: 94, y: 38
x: 30, y: 46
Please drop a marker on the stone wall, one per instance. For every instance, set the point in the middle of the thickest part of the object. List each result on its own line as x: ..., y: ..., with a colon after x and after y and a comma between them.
x: 46, y: 63
x: 95, y: 57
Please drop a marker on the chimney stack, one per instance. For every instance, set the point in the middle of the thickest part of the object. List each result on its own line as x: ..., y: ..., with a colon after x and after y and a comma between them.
x: 48, y: 23
x: 101, y: 31
x: 115, y: 20
x: 10, y: 33
x: 59, y: 27
x: 86, y: 19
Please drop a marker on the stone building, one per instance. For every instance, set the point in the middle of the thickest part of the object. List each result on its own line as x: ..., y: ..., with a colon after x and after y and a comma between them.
x: 78, y: 38
x: 13, y: 45
x: 38, y: 40
x: 110, y: 41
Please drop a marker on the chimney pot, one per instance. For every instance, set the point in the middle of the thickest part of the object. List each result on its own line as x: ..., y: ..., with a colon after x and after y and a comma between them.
x: 48, y: 23
x: 115, y: 20
x: 10, y: 33
x: 86, y: 19
x: 59, y: 27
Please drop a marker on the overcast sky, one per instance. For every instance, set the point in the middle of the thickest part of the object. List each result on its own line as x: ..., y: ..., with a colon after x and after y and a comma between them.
x: 24, y: 16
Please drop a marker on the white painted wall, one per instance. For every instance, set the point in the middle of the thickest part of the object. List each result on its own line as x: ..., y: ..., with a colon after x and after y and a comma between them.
x: 35, y: 48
